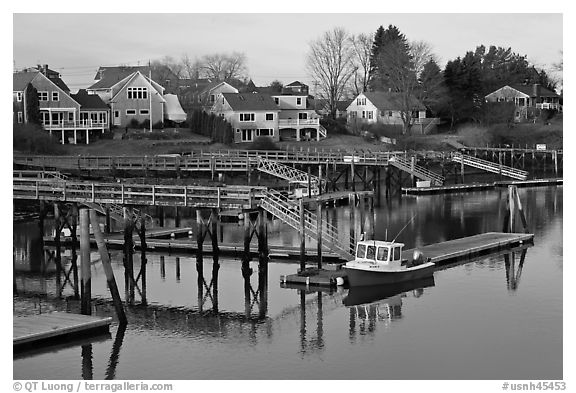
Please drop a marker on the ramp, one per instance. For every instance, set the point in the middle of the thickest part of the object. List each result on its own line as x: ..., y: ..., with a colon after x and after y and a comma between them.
x: 490, y: 166
x: 416, y: 170
x: 286, y: 172
x: 289, y: 212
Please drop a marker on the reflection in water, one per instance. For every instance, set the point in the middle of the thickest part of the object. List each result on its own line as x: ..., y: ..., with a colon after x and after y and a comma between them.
x: 513, y: 277
x: 369, y: 305
x: 115, y: 354
x: 87, y: 368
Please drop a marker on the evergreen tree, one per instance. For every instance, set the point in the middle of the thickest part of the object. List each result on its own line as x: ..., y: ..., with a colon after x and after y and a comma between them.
x: 434, y: 93
x: 32, y: 105
x: 387, y: 43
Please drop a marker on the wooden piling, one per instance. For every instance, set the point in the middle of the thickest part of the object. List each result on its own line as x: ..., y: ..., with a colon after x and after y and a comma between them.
x: 351, y: 220
x: 352, y: 174
x: 85, y: 271
x: 108, y: 269
x: 176, y: 217
x: 128, y: 252
x: 302, y: 233
x: 247, y: 238
x: 320, y: 179
x: 319, y: 232
x: 107, y: 222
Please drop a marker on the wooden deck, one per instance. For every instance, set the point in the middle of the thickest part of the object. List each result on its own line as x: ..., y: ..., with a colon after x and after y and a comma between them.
x: 439, y: 253
x: 40, y: 329
x: 481, y: 186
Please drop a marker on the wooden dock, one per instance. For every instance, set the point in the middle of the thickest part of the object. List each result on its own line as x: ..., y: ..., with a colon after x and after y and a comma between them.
x: 481, y: 186
x: 35, y: 330
x: 440, y: 253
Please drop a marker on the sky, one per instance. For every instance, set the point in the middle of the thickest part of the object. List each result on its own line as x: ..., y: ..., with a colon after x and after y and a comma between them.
x: 275, y: 44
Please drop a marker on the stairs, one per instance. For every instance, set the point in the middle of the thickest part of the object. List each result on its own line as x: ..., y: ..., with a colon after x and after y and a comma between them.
x: 416, y: 170
x: 117, y: 212
x: 322, y: 132
x: 286, y: 172
x: 289, y: 212
x: 490, y: 166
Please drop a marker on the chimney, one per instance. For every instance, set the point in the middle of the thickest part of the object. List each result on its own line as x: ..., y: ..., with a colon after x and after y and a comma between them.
x: 536, y: 90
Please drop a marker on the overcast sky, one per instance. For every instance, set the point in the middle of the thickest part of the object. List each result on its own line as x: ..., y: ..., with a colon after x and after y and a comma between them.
x: 275, y: 44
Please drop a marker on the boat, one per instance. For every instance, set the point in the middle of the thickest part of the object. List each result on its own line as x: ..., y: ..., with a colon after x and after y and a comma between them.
x: 379, y: 262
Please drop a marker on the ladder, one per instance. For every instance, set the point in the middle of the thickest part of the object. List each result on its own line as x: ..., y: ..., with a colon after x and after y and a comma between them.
x: 289, y: 212
x: 419, y: 171
x: 489, y: 166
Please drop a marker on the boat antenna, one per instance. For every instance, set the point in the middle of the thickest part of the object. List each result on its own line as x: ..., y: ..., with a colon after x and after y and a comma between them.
x: 386, y: 235
x: 404, y: 227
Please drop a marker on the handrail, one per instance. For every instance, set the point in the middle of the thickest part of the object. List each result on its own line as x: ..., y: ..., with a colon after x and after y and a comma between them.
x: 490, y: 166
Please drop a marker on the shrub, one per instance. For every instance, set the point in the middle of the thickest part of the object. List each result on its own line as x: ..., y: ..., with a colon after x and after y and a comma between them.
x: 474, y: 135
x: 134, y: 123
x: 263, y: 143
x: 335, y: 126
x: 34, y: 139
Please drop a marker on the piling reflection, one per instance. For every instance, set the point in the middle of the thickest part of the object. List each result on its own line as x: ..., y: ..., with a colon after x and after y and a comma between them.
x: 513, y: 274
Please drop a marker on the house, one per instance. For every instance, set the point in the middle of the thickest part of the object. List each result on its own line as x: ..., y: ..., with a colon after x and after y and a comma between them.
x: 203, y: 93
x: 297, y: 119
x: 386, y: 108
x: 323, y: 108
x: 527, y: 99
x: 136, y: 97
x: 60, y: 113
x: 250, y: 114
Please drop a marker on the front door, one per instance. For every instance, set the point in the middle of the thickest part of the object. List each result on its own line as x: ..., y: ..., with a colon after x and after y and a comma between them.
x: 116, y: 118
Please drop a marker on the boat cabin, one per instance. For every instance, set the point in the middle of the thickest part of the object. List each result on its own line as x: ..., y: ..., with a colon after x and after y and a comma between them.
x: 375, y: 251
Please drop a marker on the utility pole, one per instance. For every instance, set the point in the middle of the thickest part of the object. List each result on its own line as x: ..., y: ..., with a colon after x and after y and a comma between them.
x: 150, y: 93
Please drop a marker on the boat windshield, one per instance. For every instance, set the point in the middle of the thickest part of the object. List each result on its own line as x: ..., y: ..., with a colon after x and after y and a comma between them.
x: 371, y: 252
x: 361, y: 251
x: 382, y: 254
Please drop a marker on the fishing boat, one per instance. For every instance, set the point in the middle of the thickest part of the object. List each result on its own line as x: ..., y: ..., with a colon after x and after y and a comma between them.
x: 380, y: 262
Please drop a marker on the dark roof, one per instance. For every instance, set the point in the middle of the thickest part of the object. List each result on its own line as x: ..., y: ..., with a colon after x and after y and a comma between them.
x: 322, y: 103
x: 88, y: 101
x: 343, y: 105
x: 385, y: 100
x: 109, y: 76
x: 21, y: 79
x: 250, y: 101
x: 296, y: 83
x: 529, y: 90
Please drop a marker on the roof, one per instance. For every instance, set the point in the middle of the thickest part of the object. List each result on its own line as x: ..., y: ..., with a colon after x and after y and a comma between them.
x: 108, y: 76
x: 21, y: 79
x: 341, y: 105
x: 386, y: 100
x: 296, y: 83
x: 529, y: 90
x: 88, y: 101
x: 250, y: 101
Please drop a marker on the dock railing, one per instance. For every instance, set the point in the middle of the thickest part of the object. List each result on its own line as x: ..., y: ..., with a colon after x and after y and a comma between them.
x: 490, y: 166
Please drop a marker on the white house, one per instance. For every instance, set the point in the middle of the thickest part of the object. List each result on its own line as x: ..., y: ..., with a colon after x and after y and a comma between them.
x: 250, y: 114
x: 386, y: 108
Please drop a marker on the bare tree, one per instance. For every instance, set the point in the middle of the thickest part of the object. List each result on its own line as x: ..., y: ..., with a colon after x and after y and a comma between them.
x: 401, y: 70
x: 362, y: 46
x: 191, y: 69
x: 222, y: 66
x: 330, y: 62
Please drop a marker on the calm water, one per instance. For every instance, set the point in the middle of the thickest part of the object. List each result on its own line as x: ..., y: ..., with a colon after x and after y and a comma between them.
x: 498, y: 317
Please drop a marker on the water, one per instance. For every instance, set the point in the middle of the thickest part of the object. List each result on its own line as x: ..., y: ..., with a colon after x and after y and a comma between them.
x: 486, y: 319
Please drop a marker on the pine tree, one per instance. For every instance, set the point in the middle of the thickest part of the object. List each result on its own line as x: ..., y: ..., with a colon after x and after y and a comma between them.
x: 32, y: 105
x: 387, y: 44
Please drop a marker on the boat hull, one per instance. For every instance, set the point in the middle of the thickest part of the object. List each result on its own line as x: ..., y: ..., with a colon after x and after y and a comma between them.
x: 361, y: 277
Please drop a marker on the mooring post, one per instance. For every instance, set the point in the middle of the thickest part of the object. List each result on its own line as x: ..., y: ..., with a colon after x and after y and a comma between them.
x: 352, y: 174
x: 319, y: 231
x: 302, y: 237
x: 143, y: 259
x: 160, y: 215
x: 176, y: 217
x: 200, y: 231
x: 362, y: 215
x: 369, y: 225
x: 85, y: 280
x: 214, y: 221
x: 177, y: 269
x: 319, y: 179
x: 108, y: 269
x: 512, y: 207
x: 58, y: 228
x: 128, y: 252
x: 352, y: 221
x: 107, y: 228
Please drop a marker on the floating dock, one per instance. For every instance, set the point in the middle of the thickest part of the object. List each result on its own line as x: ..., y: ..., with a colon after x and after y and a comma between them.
x: 480, y: 186
x: 32, y: 331
x: 440, y: 253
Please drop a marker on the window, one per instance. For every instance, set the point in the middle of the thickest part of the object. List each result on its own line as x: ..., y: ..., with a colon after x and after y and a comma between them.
x: 42, y: 96
x: 246, y: 116
x: 20, y: 117
x: 237, y: 130
x: 70, y: 116
x: 353, y: 114
x: 269, y: 116
x: 370, y: 114
x: 361, y: 101
x: 18, y: 96
x: 389, y: 113
x: 303, y: 116
x: 363, y: 114
x: 396, y: 253
x: 521, y: 101
x: 266, y: 132
x: 298, y: 101
x: 382, y: 254
x: 144, y: 111
x: 212, y: 98
x: 370, y: 252
x: 55, y: 96
x: 130, y: 111
x: 361, y: 251
x: 137, y: 93
x: 277, y: 100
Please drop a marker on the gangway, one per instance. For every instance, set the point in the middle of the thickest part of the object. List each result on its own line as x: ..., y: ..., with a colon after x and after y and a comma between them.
x: 490, y: 166
x: 289, y: 212
x: 416, y: 170
x: 286, y: 172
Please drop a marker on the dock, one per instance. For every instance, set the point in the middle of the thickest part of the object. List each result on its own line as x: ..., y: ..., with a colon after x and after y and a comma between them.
x: 35, y: 330
x: 440, y: 253
x: 481, y: 186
